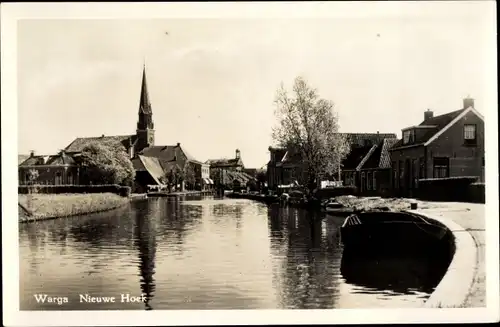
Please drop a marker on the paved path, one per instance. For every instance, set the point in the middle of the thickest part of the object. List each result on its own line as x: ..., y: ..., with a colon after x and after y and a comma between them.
x: 472, y: 217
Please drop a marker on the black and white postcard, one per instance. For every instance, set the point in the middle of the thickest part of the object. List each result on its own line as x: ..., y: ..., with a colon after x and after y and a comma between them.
x: 249, y: 163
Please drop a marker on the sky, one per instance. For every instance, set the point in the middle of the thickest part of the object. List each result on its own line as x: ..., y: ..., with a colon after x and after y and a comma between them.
x: 212, y: 82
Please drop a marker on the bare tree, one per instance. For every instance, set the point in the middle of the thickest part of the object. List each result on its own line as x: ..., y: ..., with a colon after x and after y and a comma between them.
x: 308, y: 126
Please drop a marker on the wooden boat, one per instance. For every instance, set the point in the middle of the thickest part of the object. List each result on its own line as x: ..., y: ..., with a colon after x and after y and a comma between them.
x: 334, y: 208
x: 379, y: 231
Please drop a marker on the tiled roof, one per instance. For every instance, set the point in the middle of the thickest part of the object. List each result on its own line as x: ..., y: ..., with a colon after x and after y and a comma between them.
x: 167, y: 152
x: 153, y: 167
x: 59, y: 159
x: 380, y: 157
x: 439, y: 121
x: 385, y: 156
x: 279, y: 153
x: 362, y: 139
x: 21, y: 158
x: 352, y: 160
x: 224, y: 162
x: 81, y: 142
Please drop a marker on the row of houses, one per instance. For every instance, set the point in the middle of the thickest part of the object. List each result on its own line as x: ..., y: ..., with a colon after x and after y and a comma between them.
x: 446, y: 145
x: 151, y: 162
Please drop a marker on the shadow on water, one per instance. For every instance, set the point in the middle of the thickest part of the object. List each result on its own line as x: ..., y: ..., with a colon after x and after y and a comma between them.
x: 399, y: 272
x: 310, y: 278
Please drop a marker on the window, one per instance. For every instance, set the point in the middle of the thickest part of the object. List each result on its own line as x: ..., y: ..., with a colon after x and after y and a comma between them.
x: 369, y: 181
x: 441, y: 167
x: 70, y: 179
x: 470, y: 134
x: 58, y: 180
x: 374, y: 180
x: 409, y: 136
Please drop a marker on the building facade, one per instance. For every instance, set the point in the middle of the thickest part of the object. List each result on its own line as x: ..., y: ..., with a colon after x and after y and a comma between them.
x: 59, y: 169
x: 367, y: 165
x: 448, y: 145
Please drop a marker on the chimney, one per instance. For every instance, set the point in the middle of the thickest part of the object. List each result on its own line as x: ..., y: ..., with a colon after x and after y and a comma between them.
x: 178, y: 144
x: 237, y: 154
x: 102, y: 135
x: 32, y: 153
x: 428, y: 114
x: 468, y: 102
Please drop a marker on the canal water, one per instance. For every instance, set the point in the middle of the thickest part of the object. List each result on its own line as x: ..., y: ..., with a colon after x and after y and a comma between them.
x: 208, y: 253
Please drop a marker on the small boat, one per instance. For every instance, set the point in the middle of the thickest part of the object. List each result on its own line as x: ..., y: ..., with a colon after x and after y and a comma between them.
x: 334, y: 208
x: 380, y: 231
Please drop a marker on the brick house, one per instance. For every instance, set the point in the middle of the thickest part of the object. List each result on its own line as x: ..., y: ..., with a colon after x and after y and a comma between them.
x: 167, y: 155
x: 375, y: 169
x: 368, y: 156
x: 229, y: 173
x: 59, y: 169
x: 447, y: 145
x: 284, y: 168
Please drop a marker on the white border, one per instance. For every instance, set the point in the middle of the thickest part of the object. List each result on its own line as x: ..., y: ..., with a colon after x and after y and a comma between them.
x: 11, y: 12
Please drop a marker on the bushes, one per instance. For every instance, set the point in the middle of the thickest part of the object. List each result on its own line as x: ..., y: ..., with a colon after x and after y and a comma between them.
x: 445, y: 189
x: 336, y: 191
x: 61, y: 189
x: 476, y: 193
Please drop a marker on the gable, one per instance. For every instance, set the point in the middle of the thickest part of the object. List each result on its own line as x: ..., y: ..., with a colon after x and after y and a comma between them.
x: 455, y: 120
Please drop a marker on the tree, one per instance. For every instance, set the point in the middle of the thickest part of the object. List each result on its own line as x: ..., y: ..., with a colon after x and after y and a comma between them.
x: 261, y: 178
x: 107, y: 163
x: 188, y: 174
x: 308, y: 126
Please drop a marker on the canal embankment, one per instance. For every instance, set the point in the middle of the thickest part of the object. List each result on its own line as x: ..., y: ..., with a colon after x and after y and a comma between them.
x: 33, y: 207
x: 175, y: 194
x: 464, y: 284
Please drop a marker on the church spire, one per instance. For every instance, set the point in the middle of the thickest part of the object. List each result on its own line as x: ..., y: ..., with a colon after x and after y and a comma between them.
x: 144, y: 104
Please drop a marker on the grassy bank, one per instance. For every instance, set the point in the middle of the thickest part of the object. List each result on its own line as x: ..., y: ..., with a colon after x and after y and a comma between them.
x: 47, y: 206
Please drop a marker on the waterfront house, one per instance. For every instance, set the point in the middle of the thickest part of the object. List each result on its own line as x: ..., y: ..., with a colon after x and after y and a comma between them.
x: 447, y: 145
x: 274, y: 171
x: 58, y: 169
x: 375, y: 169
x: 229, y: 173
x: 367, y: 157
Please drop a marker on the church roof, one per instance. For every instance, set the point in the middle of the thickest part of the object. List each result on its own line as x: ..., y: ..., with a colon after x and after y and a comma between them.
x: 81, y: 142
x: 144, y: 103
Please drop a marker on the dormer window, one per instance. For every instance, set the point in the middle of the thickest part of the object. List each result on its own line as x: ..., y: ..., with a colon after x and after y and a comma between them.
x: 408, y: 136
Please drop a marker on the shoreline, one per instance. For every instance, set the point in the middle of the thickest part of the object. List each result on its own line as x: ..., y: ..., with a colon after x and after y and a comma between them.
x: 37, y: 207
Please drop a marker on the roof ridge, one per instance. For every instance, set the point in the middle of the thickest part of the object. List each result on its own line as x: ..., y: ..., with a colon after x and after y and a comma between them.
x: 366, y: 157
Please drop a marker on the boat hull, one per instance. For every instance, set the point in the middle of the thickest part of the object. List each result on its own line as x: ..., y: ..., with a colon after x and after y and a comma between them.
x: 396, y: 233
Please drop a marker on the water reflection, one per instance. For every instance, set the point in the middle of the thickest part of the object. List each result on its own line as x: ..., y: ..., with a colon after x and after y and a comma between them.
x: 207, y: 253
x: 397, y: 274
x: 145, y: 241
x: 309, y: 266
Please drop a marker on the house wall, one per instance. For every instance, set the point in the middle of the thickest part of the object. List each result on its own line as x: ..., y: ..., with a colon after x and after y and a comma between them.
x: 48, y: 175
x: 465, y: 160
x: 402, y: 179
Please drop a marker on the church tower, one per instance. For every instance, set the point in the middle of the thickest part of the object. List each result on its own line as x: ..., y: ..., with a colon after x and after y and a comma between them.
x: 145, y: 127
